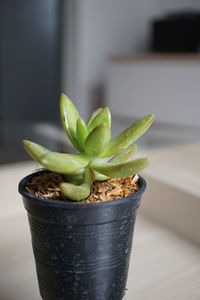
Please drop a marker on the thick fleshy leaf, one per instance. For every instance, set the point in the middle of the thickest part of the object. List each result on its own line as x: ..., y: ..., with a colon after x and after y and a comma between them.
x: 36, y: 151
x: 97, y: 140
x: 128, y: 136
x: 124, y: 155
x: 103, y: 116
x: 87, y: 177
x: 100, y: 177
x: 81, y: 131
x: 79, y: 171
x: 117, y: 159
x: 75, y: 192
x: 93, y: 115
x: 121, y: 170
x: 69, y: 116
x: 74, y: 179
x: 64, y: 163
x: 56, y: 162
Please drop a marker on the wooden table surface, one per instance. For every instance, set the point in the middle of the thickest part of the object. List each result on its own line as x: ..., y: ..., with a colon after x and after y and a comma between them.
x: 163, y: 266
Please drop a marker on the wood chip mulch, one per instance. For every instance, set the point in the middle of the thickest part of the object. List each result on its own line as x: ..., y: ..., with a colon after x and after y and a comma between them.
x: 112, y: 189
x: 46, y: 186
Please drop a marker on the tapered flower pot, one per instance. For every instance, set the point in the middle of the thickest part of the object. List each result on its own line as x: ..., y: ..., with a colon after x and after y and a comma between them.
x: 81, y: 251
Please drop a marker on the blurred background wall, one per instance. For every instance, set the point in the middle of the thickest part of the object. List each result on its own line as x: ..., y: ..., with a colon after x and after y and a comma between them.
x: 101, y: 29
x: 51, y: 46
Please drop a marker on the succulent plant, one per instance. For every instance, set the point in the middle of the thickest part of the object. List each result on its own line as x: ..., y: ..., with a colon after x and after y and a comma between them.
x: 94, y: 144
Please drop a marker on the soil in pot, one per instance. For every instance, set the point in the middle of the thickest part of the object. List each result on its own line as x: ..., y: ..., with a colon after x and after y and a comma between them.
x: 46, y: 186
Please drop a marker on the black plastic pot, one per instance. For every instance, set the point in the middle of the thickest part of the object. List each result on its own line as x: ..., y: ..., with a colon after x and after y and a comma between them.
x: 81, y: 251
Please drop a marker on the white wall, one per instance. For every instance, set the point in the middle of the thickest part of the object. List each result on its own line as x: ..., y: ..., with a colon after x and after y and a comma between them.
x: 96, y: 29
x: 168, y: 88
x: 167, y: 5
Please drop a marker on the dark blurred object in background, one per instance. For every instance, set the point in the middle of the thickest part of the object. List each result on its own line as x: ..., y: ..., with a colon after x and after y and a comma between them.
x: 177, y: 32
x: 30, y: 81
x: 30, y: 69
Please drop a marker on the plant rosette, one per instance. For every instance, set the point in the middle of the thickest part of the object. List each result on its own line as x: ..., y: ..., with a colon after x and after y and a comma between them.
x: 81, y: 241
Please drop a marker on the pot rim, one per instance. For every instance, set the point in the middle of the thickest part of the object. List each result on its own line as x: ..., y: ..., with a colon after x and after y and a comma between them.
x: 73, y: 204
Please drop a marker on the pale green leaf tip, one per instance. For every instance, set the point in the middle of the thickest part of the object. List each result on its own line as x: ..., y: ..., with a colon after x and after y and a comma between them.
x: 73, y: 192
x: 62, y: 97
x: 151, y: 116
x: 145, y: 162
x: 25, y: 143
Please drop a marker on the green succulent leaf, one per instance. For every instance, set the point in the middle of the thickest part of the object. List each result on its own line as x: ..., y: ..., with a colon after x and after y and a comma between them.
x: 75, y: 192
x: 80, y: 171
x: 87, y: 177
x: 69, y: 116
x: 56, y: 162
x: 117, y: 159
x: 64, y: 163
x: 81, y: 131
x: 128, y: 136
x: 100, y: 177
x: 36, y: 151
x: 121, y: 170
x: 97, y: 140
x: 124, y: 155
x: 103, y: 116
x: 76, y: 179
x: 93, y: 142
x: 93, y: 115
